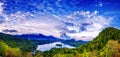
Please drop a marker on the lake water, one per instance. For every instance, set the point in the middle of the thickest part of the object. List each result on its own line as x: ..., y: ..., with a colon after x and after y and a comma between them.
x: 47, y: 47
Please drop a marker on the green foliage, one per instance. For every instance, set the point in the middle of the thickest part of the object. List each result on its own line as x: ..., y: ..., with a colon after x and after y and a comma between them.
x: 14, y: 42
x: 7, y: 51
x: 100, y: 41
x: 27, y: 54
x: 58, y: 51
x: 99, y: 47
x: 38, y: 54
x: 3, y: 48
x: 12, y: 46
x: 106, y: 44
x: 112, y: 49
x: 14, y: 52
x: 63, y: 55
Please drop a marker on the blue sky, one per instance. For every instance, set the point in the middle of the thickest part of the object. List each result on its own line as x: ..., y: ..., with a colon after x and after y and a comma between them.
x: 65, y: 19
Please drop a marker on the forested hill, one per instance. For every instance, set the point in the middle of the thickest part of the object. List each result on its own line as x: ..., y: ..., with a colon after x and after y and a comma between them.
x: 106, y: 44
x: 100, y: 41
x: 23, y: 44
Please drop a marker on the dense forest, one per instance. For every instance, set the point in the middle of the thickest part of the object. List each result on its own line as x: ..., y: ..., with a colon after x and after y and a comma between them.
x: 11, y: 46
x: 106, y: 44
x: 41, y: 39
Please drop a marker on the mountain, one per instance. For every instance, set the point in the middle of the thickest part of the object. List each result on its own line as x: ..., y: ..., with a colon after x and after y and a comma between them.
x: 100, y: 41
x: 106, y: 44
x: 12, y: 41
x: 37, y: 37
x: 42, y: 39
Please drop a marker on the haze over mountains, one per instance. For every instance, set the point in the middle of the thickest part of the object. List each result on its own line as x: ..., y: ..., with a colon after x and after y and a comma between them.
x: 59, y: 28
x: 77, y: 19
x: 42, y: 39
x: 107, y: 43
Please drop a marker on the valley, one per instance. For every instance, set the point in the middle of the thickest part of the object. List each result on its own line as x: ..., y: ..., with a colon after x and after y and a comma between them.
x: 106, y: 44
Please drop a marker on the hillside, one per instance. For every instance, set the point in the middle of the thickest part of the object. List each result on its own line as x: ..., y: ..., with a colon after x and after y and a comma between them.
x: 100, y: 41
x: 14, y: 42
x: 41, y: 39
x: 106, y: 44
x: 111, y: 49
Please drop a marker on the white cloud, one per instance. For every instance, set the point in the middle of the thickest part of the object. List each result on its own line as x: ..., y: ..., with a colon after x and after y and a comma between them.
x: 51, y: 24
x: 100, y: 4
x: 1, y: 8
x: 93, y: 24
x: 37, y: 24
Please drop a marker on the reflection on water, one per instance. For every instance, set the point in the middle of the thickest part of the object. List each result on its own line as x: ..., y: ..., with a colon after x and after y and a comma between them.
x: 47, y: 47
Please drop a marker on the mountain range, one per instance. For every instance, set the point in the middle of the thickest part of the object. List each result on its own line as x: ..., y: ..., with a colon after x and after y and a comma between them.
x: 106, y: 44
x: 42, y: 39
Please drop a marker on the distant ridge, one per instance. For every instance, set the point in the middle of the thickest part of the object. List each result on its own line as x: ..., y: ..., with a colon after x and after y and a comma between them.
x: 101, y: 40
x: 13, y: 41
x: 42, y: 39
x: 106, y: 44
x: 37, y: 37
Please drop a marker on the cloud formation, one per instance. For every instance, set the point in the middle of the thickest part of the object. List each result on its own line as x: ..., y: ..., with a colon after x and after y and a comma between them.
x: 87, y: 25
x: 1, y: 8
x: 79, y: 25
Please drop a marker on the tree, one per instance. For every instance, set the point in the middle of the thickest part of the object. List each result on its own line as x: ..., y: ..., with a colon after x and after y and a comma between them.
x: 14, y: 52
x: 38, y: 54
x: 3, y: 49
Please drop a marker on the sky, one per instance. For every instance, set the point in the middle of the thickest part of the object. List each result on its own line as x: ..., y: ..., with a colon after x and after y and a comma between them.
x: 64, y: 19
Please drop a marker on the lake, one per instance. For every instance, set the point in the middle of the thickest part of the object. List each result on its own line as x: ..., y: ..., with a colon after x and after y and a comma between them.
x: 47, y: 47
